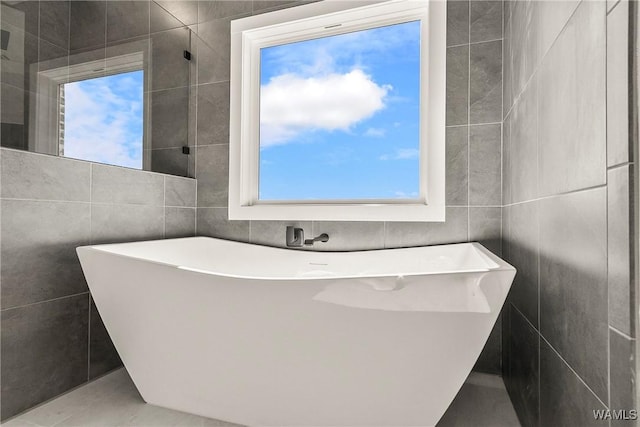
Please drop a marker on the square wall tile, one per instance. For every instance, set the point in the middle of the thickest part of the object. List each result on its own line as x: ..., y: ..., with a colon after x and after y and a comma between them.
x: 215, y: 34
x: 35, y: 176
x: 39, y: 260
x: 486, y: 20
x: 170, y: 69
x: 523, y: 385
x: 214, y: 9
x: 620, y: 248
x: 618, y: 147
x: 213, y: 114
x: 507, y: 191
x: 103, y: 356
x: 457, y: 169
x: 573, y: 282
x: 523, y: 245
x: 180, y: 192
x: 505, y: 354
x: 87, y: 24
x: 31, y: 11
x: 261, y: 6
x: 566, y: 400
x: 523, y: 39
x: 552, y: 18
x: 179, y: 222
x: 127, y: 19
x: 457, y: 103
x: 623, y: 374
x: 406, y: 234
x: 571, y: 105
x: 161, y: 19
x: 489, y: 360
x: 457, y: 22
x: 485, y: 227
x: 522, y: 172
x: 485, y: 80
x: 212, y: 173
x: 113, y: 184
x: 169, y: 118
x: 348, y: 235
x: 44, y: 351
x: 184, y: 10
x: 214, y: 222
x: 126, y: 223
x: 54, y: 22
x: 485, y: 165
x: 170, y: 161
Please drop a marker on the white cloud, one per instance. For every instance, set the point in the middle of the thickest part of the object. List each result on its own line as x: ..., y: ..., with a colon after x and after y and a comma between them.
x: 375, y: 132
x: 290, y: 104
x: 402, y: 154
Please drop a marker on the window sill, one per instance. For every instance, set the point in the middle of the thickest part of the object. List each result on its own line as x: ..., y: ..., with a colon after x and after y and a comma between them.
x: 413, y: 212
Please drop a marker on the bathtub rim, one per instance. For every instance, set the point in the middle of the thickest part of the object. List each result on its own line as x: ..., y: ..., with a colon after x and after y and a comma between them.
x: 486, y: 254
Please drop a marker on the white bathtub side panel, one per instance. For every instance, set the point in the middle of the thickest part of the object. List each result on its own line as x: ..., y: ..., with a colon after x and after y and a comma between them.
x: 266, y: 354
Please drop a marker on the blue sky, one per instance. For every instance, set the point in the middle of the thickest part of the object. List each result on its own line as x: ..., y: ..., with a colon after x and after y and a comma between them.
x: 104, y: 119
x: 340, y: 116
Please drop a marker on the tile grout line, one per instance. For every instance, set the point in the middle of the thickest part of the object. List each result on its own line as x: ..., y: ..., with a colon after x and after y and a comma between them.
x: 572, y: 370
x: 537, y: 211
x: 474, y: 43
x: 90, y: 242
x: 56, y: 159
x: 468, y: 106
x: 43, y: 302
x: 622, y: 334
x: 538, y: 199
x: 89, y: 340
x: 619, y: 166
x: 542, y: 338
x: 456, y: 126
x: 613, y: 7
x: 607, y: 216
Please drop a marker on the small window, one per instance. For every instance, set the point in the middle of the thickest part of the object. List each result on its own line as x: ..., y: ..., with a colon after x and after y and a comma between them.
x: 101, y: 119
x: 338, y: 114
x: 93, y: 110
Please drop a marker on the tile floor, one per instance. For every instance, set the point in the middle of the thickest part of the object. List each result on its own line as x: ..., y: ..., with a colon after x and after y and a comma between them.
x: 114, y: 401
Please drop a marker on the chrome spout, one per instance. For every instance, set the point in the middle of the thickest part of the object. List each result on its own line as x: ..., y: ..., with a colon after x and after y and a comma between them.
x: 295, y: 238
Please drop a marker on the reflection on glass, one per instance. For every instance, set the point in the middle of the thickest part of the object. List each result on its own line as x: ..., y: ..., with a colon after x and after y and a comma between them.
x: 67, y: 69
x: 102, y: 119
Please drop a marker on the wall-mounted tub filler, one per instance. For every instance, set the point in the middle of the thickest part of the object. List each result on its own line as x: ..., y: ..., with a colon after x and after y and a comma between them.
x: 295, y: 238
x: 273, y: 337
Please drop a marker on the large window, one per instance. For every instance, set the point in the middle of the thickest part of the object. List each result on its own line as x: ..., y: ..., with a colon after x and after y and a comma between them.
x: 338, y: 114
x: 348, y: 106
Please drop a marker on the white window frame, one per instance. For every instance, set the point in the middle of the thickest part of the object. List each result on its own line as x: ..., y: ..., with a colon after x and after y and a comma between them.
x: 322, y: 19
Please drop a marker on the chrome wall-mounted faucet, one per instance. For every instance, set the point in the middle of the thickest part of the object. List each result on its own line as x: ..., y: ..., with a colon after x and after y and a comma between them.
x: 295, y: 238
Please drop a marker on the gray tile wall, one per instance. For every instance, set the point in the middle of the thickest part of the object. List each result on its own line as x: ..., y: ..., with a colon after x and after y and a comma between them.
x: 473, y: 152
x: 52, y: 337
x: 568, y: 325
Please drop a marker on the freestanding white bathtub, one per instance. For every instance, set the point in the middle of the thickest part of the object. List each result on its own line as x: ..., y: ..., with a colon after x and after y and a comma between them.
x: 274, y: 337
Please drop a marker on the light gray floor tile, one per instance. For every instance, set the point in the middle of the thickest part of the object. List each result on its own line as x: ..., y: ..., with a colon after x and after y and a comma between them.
x: 114, y: 401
